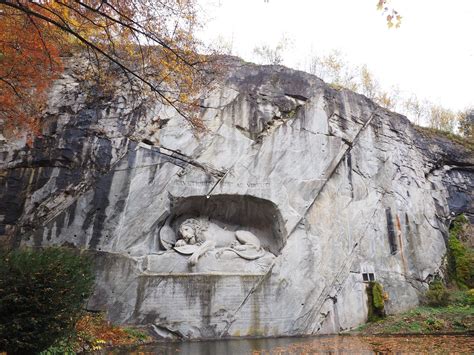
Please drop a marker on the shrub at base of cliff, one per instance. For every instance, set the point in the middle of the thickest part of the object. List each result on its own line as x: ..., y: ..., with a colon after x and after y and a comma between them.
x: 460, y: 256
x: 42, y: 293
x: 376, y: 301
x: 437, y: 295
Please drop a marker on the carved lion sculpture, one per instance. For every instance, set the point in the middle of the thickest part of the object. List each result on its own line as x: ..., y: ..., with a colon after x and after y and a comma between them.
x: 195, y: 239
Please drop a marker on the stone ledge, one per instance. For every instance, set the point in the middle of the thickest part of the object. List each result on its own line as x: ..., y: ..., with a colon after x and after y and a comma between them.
x: 196, y: 274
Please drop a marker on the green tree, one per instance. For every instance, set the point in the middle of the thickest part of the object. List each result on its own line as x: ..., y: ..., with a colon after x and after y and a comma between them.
x: 42, y: 293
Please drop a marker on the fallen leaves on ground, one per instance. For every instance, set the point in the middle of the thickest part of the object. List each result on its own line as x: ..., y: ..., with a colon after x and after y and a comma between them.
x: 376, y: 344
x: 95, y: 332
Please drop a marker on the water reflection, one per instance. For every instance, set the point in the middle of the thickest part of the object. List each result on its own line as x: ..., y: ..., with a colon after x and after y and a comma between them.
x: 314, y: 345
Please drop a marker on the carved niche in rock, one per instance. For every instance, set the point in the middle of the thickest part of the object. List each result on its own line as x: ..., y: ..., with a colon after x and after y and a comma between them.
x: 237, y: 229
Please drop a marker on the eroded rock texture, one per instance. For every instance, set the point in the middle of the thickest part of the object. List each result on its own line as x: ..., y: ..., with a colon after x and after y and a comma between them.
x: 333, y: 186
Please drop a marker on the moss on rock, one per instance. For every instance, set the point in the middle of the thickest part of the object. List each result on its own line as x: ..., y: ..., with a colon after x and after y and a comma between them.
x: 376, y: 301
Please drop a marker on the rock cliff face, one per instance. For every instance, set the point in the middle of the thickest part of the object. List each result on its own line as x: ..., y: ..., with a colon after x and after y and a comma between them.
x: 298, y: 193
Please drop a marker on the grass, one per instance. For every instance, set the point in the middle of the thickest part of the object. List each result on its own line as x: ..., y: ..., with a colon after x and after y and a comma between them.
x: 424, y: 320
x: 465, y: 142
x: 136, y: 334
x: 415, y: 327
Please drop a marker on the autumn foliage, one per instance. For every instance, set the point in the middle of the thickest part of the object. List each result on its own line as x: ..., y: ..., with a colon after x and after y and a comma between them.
x: 373, y: 345
x: 150, y: 42
x: 394, y: 19
x: 29, y: 60
x: 94, y: 332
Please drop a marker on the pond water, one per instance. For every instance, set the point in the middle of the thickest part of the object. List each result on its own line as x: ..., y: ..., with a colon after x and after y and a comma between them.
x: 341, y: 344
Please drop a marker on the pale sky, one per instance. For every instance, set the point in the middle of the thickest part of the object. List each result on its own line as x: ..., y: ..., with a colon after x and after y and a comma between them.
x: 431, y: 55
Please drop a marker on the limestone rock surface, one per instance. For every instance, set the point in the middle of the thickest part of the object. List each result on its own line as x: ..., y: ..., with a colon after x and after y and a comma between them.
x: 333, y: 186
